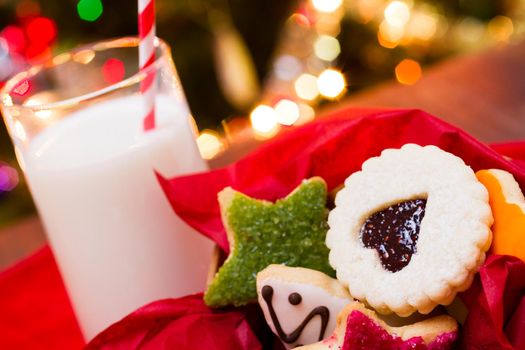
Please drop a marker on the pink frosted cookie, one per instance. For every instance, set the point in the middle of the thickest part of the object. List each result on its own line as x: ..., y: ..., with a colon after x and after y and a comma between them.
x: 360, y: 329
x: 409, y: 230
x: 300, y: 305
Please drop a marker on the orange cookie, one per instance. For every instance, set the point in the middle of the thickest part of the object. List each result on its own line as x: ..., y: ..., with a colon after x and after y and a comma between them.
x: 508, y: 208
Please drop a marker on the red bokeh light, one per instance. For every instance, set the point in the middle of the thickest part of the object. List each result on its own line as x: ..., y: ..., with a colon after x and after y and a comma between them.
x: 36, y: 52
x: 15, y: 38
x: 113, y: 70
x: 41, y: 30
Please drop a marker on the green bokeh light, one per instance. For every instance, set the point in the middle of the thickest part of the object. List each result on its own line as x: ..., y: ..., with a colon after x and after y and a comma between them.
x: 90, y: 10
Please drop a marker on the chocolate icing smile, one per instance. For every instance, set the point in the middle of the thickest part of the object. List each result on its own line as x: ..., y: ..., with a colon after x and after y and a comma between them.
x: 394, y: 231
x: 322, y: 311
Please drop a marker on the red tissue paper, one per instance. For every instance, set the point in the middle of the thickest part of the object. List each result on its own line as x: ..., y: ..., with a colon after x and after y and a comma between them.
x: 496, y: 303
x: 186, y: 323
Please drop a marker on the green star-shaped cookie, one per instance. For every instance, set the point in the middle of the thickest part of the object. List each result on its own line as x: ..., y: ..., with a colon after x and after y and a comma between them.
x: 291, y: 232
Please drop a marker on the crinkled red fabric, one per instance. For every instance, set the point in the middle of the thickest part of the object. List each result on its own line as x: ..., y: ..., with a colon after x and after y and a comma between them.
x: 35, y: 312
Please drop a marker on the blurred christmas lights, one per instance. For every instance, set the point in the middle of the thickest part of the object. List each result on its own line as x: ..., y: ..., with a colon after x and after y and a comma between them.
x: 90, y: 10
x: 264, y: 120
x: 397, y: 13
x: 327, y: 48
x: 306, y: 87
x: 209, y: 143
x: 113, y: 70
x: 41, y: 30
x: 326, y: 5
x: 331, y: 83
x: 287, y: 112
x: 408, y: 72
x: 8, y: 178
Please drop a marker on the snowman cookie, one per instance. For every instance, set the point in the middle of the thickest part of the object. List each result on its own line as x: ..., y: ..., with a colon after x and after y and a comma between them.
x: 300, y: 305
x: 409, y: 230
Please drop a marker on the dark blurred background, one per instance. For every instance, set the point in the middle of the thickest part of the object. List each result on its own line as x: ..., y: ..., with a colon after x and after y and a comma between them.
x: 234, y: 55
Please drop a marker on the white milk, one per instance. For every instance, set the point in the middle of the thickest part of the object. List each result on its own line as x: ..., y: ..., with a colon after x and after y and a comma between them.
x: 118, y: 242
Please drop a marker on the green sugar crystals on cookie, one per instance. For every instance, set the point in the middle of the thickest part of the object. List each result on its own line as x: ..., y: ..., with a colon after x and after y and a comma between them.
x: 291, y: 232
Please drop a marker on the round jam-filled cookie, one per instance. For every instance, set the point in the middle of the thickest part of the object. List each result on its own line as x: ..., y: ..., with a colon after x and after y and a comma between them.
x: 409, y: 230
x: 508, y: 207
x: 300, y: 305
x: 361, y: 329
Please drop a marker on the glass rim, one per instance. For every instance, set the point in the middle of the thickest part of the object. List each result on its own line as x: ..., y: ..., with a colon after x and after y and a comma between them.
x: 137, y: 77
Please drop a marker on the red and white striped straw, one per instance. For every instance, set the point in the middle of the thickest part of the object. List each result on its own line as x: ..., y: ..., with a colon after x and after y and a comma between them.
x: 146, y: 58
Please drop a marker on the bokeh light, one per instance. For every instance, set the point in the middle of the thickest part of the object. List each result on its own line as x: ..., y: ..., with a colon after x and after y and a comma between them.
x: 41, y: 30
x: 331, y: 83
x: 306, y: 112
x: 327, y: 48
x: 500, y: 28
x: 209, y: 144
x: 287, y: 112
x: 26, y: 8
x: 389, y: 35
x: 408, y: 72
x: 306, y: 87
x: 423, y: 25
x: 113, y: 70
x: 15, y: 38
x: 8, y: 178
x: 287, y: 67
x: 90, y: 10
x: 263, y: 119
x: 326, y: 5
x: 397, y: 13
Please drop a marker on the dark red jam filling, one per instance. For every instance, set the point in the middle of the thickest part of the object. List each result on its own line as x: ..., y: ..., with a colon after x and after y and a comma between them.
x: 394, y: 231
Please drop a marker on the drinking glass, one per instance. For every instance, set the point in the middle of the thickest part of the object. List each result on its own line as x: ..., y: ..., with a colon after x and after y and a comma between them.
x: 76, y: 125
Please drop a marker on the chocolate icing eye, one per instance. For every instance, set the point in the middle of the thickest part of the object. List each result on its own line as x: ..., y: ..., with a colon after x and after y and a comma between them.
x: 295, y: 298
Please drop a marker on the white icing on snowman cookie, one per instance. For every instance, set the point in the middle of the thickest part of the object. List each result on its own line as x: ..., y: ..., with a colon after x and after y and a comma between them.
x: 300, y: 305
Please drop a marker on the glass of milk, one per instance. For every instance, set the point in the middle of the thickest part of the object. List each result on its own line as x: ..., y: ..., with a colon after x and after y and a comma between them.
x: 76, y: 124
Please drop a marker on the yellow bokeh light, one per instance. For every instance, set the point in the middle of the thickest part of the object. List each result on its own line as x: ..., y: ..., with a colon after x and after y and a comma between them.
x: 368, y: 9
x: 423, y: 25
x: 209, y: 144
x: 306, y: 87
x: 397, y: 13
x: 408, y: 72
x: 307, y: 113
x: 327, y: 48
x: 326, y: 5
x: 287, y: 112
x: 389, y: 36
x: 500, y: 28
x: 263, y: 119
x: 331, y: 83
